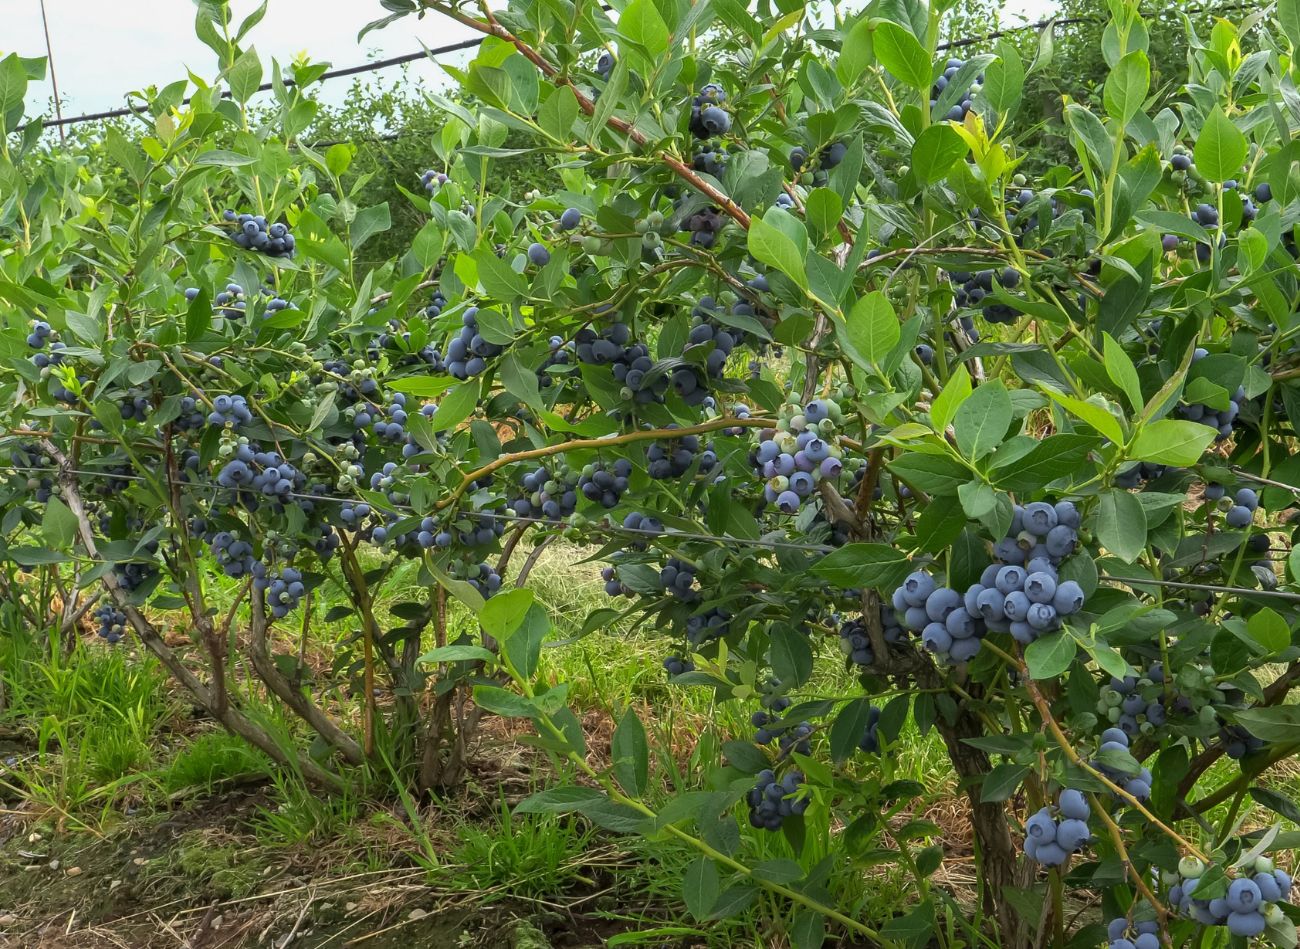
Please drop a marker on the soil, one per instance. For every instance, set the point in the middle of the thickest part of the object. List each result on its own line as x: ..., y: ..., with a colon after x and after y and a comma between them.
x: 198, y: 878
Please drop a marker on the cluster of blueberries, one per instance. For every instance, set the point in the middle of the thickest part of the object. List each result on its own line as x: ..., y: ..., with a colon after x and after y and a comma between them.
x: 855, y: 644
x: 432, y: 180
x: 262, y: 472
x: 1051, y: 837
x: 253, y: 233
x: 708, y: 118
x: 134, y: 405
x: 1135, y: 704
x: 283, y: 588
x: 605, y: 483
x: 229, y: 411
x: 1139, y: 785
x: 959, y: 111
x: 547, y: 495
x: 40, y: 334
x: 1249, y: 904
x: 802, y: 450
x: 678, y: 580
x: 1125, y: 933
x: 870, y: 742
x: 392, y: 428
x: 972, y: 287
x: 1218, y: 419
x: 30, y: 456
x: 1244, y: 505
x: 674, y: 458
x: 483, y: 577
x: 112, y: 623
x: 707, y: 223
x: 233, y: 555
x: 771, y: 800
x: 629, y: 362
x: 713, y: 623
x: 468, y: 351
x: 678, y: 665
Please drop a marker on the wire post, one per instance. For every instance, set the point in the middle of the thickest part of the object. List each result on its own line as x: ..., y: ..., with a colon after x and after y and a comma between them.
x: 54, y: 80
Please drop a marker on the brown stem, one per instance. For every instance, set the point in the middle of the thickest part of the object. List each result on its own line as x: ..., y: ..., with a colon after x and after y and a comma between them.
x: 227, y: 714
x: 297, y: 701
x: 361, y: 596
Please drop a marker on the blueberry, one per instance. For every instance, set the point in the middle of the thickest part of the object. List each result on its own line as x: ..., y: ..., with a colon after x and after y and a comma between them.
x: 538, y: 254
x: 570, y: 219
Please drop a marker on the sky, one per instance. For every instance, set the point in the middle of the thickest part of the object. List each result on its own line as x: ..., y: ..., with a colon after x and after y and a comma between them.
x: 104, y: 50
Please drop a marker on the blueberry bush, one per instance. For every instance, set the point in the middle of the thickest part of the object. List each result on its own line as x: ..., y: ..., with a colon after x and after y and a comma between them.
x: 807, y: 364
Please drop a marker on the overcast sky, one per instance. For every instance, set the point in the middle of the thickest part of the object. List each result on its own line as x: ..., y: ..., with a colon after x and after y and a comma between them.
x: 105, y: 49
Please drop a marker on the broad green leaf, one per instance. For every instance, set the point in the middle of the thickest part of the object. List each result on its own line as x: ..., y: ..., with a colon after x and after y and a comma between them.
x: 244, y: 76
x: 872, y: 327
x: 1221, y: 148
x: 502, y: 614
x: 1122, y: 372
x: 1095, y: 415
x: 848, y: 729
x: 955, y: 391
x: 773, y: 247
x: 1172, y: 442
x: 1004, y: 79
x: 642, y: 23
x: 629, y: 754
x: 982, y: 420
x: 456, y: 406
x: 1127, y: 85
x: 863, y: 565
x: 462, y: 652
x: 1050, y: 655
x: 902, y: 54
x: 1269, y: 629
x: 1120, y: 523
x: 937, y: 149
x: 700, y: 887
x: 59, y: 525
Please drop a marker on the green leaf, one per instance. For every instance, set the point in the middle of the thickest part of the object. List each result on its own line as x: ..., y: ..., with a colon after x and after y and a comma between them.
x: 982, y: 420
x: 1288, y: 17
x: 1095, y: 415
x: 700, y: 887
x: 1276, y: 723
x: 902, y: 54
x: 914, y: 929
x: 244, y: 76
x: 1122, y: 372
x: 955, y: 391
x: 462, y: 652
x: 1127, y: 85
x: 502, y: 614
x: 1120, y: 523
x: 848, y: 729
x: 1221, y: 148
x: 457, y: 406
x: 59, y: 525
x: 937, y: 149
x: 630, y: 756
x: 1050, y: 655
x: 369, y: 222
x: 808, y: 930
x: 872, y: 327
x: 863, y: 565
x: 224, y: 159
x: 558, y: 113
x: 1000, y: 783
x: 642, y: 23
x: 1269, y: 629
x: 792, y: 658
x: 1172, y: 442
x: 822, y: 209
x: 1004, y: 79
x: 1052, y: 458
x: 493, y: 698
x: 773, y: 247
